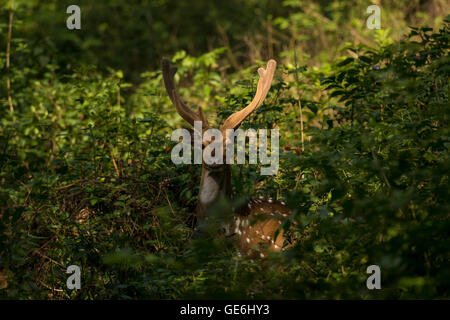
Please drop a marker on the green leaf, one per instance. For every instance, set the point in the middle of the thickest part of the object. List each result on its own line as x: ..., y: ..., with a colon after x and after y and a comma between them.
x: 345, y: 62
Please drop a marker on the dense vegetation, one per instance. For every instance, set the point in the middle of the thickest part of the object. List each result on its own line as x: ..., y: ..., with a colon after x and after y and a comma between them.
x: 86, y: 176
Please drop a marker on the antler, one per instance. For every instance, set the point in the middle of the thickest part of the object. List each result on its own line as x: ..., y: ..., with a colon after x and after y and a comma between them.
x: 185, y: 112
x: 266, y: 76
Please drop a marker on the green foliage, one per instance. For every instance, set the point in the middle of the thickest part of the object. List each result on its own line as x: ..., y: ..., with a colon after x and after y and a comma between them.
x: 380, y: 176
x: 86, y: 176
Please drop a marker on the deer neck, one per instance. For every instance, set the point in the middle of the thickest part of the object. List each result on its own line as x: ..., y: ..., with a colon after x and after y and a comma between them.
x: 214, y: 184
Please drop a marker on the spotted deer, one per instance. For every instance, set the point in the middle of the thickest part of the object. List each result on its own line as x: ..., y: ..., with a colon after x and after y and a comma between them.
x: 255, y: 223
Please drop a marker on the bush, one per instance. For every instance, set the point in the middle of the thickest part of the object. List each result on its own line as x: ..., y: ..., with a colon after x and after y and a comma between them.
x: 86, y: 176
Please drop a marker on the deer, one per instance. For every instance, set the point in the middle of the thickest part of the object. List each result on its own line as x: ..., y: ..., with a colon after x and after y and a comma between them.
x: 256, y: 222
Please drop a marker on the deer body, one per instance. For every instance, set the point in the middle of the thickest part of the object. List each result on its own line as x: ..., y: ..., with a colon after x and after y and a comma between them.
x: 256, y: 222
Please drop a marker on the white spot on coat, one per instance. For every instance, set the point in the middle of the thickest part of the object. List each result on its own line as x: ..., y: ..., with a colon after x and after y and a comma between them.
x: 237, y: 223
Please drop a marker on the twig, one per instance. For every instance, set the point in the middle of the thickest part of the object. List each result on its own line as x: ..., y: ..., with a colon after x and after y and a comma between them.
x: 309, y: 268
x: 381, y: 172
x: 115, y: 164
x: 168, y: 201
x: 8, y: 54
x: 226, y: 40
x: 48, y: 258
x: 325, y: 20
x: 298, y: 95
x: 48, y: 287
x: 71, y: 184
x: 269, y: 36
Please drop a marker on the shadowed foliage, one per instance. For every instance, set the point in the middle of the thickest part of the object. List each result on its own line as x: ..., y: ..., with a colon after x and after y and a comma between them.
x: 86, y: 176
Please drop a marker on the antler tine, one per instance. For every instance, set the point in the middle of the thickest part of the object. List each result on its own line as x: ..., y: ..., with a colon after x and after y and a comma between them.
x: 185, y: 112
x: 264, y: 82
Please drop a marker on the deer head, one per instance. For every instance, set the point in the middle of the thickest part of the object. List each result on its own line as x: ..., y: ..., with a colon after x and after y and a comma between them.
x: 216, y: 177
